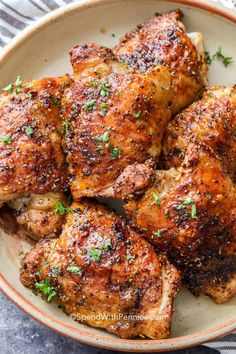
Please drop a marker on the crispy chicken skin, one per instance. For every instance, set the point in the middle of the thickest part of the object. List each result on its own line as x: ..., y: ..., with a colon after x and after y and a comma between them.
x: 162, y: 40
x: 105, y: 274
x: 32, y: 162
x: 191, y: 213
x: 115, y: 121
x: 212, y: 120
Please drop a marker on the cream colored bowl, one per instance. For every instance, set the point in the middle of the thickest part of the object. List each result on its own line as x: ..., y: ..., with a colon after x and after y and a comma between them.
x: 43, y: 50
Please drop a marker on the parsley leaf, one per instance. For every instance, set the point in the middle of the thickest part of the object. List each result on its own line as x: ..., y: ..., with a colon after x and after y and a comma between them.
x: 6, y: 139
x: 129, y: 257
x: 75, y: 270
x: 28, y: 130
x: 219, y: 55
x: 46, y: 289
x: 8, y: 88
x: 89, y: 106
x: 61, y: 210
x: 95, y: 253
x: 156, y: 199
x: 105, y: 89
x: 116, y: 153
x: 208, y: 58
x: 65, y: 127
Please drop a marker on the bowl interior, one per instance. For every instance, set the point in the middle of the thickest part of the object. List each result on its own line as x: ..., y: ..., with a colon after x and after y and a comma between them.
x: 45, y: 53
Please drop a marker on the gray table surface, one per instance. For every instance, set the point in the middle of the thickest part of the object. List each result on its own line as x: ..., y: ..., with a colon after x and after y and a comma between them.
x: 20, y: 334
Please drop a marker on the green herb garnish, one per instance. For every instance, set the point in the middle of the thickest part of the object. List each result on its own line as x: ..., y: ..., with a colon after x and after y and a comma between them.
x: 6, y: 139
x: 89, y: 106
x: 8, y: 88
x: 104, y: 138
x: 56, y: 100
x: 28, y: 131
x: 116, y: 153
x: 55, y: 271
x: 61, y: 210
x: 156, y: 198
x: 138, y: 115
x: 18, y: 81
x: 93, y: 83
x: 65, y: 127
x: 46, y: 289
x: 208, y: 58
x: 157, y: 233
x: 220, y: 56
x: 75, y: 270
x: 129, y: 257
x: 95, y: 253
x: 105, y: 89
x: 194, y: 211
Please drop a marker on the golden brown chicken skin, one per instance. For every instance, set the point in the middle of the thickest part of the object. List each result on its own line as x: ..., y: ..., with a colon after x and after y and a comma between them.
x: 115, y: 120
x: 32, y: 162
x: 190, y: 213
x: 104, y: 274
x: 211, y: 120
x: 162, y: 40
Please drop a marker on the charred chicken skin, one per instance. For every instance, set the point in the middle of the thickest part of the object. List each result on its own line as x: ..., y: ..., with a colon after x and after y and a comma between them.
x: 104, y: 274
x: 189, y: 212
x: 32, y: 162
x: 162, y: 40
x: 212, y: 121
x: 115, y: 120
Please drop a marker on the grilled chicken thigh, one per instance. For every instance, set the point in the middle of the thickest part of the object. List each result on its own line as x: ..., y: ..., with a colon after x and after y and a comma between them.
x: 104, y: 274
x: 32, y: 163
x: 190, y: 212
x: 115, y: 120
x: 162, y: 40
x: 211, y: 120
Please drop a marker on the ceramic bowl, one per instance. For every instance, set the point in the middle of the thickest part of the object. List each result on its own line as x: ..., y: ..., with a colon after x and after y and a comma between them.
x: 42, y: 50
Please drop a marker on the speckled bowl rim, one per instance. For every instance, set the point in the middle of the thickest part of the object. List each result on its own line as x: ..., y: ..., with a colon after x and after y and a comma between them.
x: 99, y: 340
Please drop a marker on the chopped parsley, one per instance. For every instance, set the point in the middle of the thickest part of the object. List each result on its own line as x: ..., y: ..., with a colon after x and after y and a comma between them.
x: 8, y: 88
x: 187, y: 201
x: 103, y: 106
x: 116, y: 153
x: 89, y: 106
x: 28, y: 131
x: 55, y: 271
x: 61, y: 210
x: 156, y: 199
x: 6, y: 139
x: 75, y: 270
x: 95, y: 253
x: 194, y: 211
x: 56, y: 100
x: 220, y: 56
x: 113, y: 35
x: 208, y: 58
x: 129, y: 257
x: 46, y: 289
x: 65, y: 127
x: 18, y: 81
x: 157, y: 233
x: 17, y: 85
x: 99, y: 148
x: 138, y: 115
x: 93, y: 83
x: 104, y: 138
x: 105, y: 89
